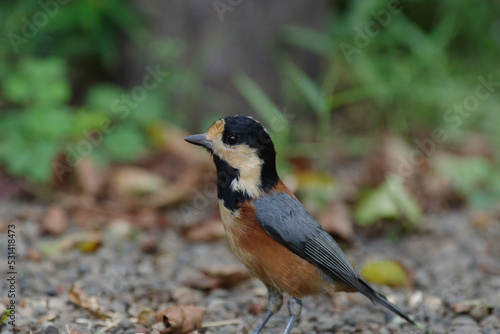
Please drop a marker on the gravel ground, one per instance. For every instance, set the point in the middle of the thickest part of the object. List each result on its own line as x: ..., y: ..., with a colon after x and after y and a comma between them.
x: 454, y: 264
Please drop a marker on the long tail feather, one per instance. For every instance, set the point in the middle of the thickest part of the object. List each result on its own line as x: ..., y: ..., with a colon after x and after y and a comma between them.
x: 380, y: 299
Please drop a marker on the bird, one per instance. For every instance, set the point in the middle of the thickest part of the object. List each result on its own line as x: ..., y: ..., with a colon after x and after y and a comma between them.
x: 267, y: 227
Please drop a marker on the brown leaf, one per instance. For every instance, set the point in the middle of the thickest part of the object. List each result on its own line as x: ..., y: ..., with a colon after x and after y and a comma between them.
x: 78, y: 297
x: 173, y: 194
x: 256, y: 309
x: 47, y: 317
x: 146, y: 317
x: 181, y: 319
x: 186, y: 296
x: 336, y: 220
x: 55, y: 221
x: 482, y: 220
x: 210, y: 230
x: 227, y: 276
x: 89, y: 177
x: 34, y: 254
x: 133, y: 181
x: 149, y: 244
x: 146, y: 218
x: 202, y: 282
x: 171, y: 138
x: 390, y: 157
x: 465, y: 306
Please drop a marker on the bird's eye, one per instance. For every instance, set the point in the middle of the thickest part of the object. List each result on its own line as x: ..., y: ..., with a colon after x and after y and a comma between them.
x: 232, y: 140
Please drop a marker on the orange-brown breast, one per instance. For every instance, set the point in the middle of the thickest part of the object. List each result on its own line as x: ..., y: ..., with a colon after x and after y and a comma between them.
x: 267, y: 259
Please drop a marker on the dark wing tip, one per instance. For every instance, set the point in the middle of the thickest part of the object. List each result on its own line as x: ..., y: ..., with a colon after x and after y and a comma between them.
x: 378, y: 298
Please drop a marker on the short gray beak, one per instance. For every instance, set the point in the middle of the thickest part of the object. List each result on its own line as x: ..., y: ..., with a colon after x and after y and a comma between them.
x: 200, y: 140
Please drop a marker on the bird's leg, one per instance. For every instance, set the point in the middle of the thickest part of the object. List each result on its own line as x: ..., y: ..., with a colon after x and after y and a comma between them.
x: 274, y: 302
x: 295, y: 308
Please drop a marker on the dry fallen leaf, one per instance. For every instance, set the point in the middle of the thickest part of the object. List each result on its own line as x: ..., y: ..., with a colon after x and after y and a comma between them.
x: 90, y: 178
x: 181, y: 319
x: 390, y: 157
x: 133, y: 181
x: 227, y: 276
x: 78, y: 297
x: 55, y: 221
x: 482, y: 220
x: 47, y: 317
x: 202, y: 282
x: 173, y: 194
x: 34, y: 254
x: 84, y: 241
x: 336, y: 220
x: 186, y: 296
x: 146, y: 317
x: 210, y: 230
x: 149, y: 244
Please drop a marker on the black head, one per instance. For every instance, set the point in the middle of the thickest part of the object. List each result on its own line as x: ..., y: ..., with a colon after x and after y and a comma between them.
x: 242, y: 149
x: 245, y: 130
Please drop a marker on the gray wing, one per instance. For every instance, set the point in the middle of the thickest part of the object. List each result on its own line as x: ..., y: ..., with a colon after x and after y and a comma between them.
x: 284, y: 218
x: 286, y: 221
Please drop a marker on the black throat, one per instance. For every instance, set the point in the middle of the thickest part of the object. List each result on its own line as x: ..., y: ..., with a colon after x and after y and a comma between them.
x: 226, y: 174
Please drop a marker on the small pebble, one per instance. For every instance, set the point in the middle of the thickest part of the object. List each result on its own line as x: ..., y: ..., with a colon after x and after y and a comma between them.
x: 51, y: 330
x: 463, y: 320
x: 437, y: 329
x: 464, y: 325
x: 326, y: 324
x: 491, y: 320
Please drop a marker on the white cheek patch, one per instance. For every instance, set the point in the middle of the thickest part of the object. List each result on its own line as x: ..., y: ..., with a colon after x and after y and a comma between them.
x: 249, y: 168
x: 246, y: 160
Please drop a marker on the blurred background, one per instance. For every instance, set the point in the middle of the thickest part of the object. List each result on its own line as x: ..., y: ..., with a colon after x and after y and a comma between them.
x: 333, y: 81
x: 382, y: 112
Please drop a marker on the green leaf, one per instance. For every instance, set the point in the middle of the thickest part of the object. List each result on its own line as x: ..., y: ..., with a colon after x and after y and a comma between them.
x: 125, y: 142
x: 280, y: 126
x: 390, y: 200
x: 6, y: 315
x: 308, y: 88
x: 316, y: 190
x: 102, y: 97
x: 308, y: 39
x: 48, y: 123
x: 473, y: 177
x: 258, y: 99
x: 374, y: 206
x: 31, y: 159
x: 38, y: 82
x: 385, y: 273
x: 150, y: 110
x: 467, y: 173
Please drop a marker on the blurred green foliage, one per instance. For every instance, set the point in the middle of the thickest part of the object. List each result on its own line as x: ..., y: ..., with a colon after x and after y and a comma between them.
x: 413, y: 60
x: 383, y: 66
x: 406, y: 67
x: 57, y: 91
x: 475, y: 178
x: 390, y: 200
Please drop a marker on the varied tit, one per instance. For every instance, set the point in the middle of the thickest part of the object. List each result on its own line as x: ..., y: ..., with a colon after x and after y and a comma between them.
x: 268, y: 228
